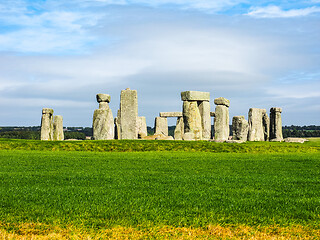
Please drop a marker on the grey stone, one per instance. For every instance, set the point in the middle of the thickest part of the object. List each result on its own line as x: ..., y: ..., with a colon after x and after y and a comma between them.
x: 179, y: 130
x: 240, y: 128
x: 189, y: 136
x: 222, y: 101
x: 195, y: 96
x: 101, y: 97
x: 47, y: 124
x: 258, y: 125
x: 275, y: 125
x: 221, y: 123
x: 204, y: 108
x: 170, y: 114
x: 128, y: 114
x: 192, y: 120
x: 161, y: 126
x: 142, y: 127
x: 295, y: 140
x: 58, y: 134
x: 103, y: 122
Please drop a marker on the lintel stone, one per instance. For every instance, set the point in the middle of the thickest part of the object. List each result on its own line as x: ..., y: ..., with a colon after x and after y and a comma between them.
x: 195, y: 96
x: 101, y: 97
x: 222, y: 101
x: 170, y: 114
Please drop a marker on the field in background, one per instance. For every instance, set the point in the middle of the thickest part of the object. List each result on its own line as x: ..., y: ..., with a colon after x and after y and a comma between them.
x: 187, y: 191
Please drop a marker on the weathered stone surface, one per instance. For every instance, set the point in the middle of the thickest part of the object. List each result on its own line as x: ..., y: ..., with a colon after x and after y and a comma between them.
x: 240, y: 128
x: 161, y: 126
x: 195, y: 96
x: 142, y: 127
x: 117, y: 126
x: 275, y: 125
x: 258, y: 125
x: 189, y: 136
x: 47, y: 124
x: 179, y: 130
x: 295, y: 140
x: 170, y: 114
x: 128, y: 114
x: 212, y: 114
x: 101, y: 97
x: 58, y: 134
x: 222, y: 101
x: 192, y: 120
x: 204, y: 108
x: 221, y: 123
x: 103, y: 124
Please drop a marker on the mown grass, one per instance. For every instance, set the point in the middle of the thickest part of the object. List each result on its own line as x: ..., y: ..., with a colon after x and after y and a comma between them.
x: 250, y: 190
x: 151, y: 145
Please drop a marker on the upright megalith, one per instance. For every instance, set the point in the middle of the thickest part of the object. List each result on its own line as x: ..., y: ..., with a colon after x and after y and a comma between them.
x: 258, y: 125
x: 47, y: 124
x: 275, y: 125
x: 179, y: 130
x: 196, y: 115
x: 127, y: 119
x: 142, y: 127
x: 103, y: 122
x: 221, y: 120
x: 240, y: 128
x: 161, y: 126
x: 58, y: 134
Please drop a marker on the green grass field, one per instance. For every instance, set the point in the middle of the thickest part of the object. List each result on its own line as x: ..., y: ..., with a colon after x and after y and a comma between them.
x: 66, y: 190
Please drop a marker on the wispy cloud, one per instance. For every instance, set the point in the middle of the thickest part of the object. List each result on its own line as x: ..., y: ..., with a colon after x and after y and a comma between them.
x: 277, y: 12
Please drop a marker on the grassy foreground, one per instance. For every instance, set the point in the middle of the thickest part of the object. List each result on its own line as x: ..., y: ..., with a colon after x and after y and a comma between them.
x: 156, y: 195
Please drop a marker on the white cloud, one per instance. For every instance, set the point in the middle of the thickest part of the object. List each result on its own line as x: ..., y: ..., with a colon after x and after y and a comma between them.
x: 277, y: 12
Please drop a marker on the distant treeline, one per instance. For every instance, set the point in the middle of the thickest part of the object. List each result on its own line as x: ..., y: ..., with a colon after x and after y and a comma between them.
x: 83, y: 132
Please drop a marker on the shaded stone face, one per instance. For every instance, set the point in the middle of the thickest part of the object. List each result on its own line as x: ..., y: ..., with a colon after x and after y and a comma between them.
x: 161, y: 126
x: 195, y: 96
x: 204, y: 108
x: 58, y: 134
x: 179, y: 130
x: 101, y: 97
x: 276, y: 125
x: 142, y: 127
x: 128, y: 117
x: 221, y: 123
x: 258, y: 125
x: 240, y: 128
x: 47, y: 124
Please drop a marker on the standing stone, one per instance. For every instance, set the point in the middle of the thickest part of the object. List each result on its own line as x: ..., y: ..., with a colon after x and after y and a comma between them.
x: 258, y: 124
x: 240, y: 128
x: 58, y: 134
x: 204, y: 108
x: 103, y: 122
x: 179, y: 130
x: 161, y: 126
x: 47, y: 124
x: 275, y: 125
x: 128, y: 116
x: 196, y: 115
x: 221, y: 120
x: 142, y: 127
x: 192, y: 121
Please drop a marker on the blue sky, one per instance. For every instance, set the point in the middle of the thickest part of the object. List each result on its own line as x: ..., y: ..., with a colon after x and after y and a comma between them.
x: 59, y: 54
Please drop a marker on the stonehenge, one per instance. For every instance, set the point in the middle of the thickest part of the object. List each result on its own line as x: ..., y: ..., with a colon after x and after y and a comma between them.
x: 193, y: 123
x: 258, y: 125
x: 221, y: 120
x: 240, y: 128
x: 275, y: 125
x: 103, y: 122
x: 196, y: 115
x: 58, y: 134
x: 47, y: 124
